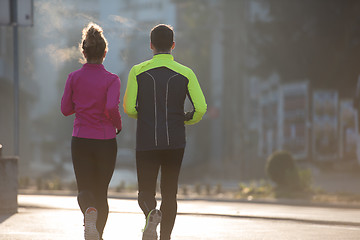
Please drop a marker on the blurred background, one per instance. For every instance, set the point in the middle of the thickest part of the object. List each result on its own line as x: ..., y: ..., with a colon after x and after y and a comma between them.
x: 277, y: 75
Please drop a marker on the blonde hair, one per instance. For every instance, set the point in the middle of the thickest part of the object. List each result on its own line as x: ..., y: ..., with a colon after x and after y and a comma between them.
x: 93, y: 43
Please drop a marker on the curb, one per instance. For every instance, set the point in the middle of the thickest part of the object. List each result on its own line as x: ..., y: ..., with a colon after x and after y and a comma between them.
x: 306, y: 221
x: 289, y: 202
x: 133, y: 196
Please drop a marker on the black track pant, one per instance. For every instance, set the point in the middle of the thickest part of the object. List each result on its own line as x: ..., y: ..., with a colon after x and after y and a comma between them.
x: 94, y: 163
x: 148, y: 164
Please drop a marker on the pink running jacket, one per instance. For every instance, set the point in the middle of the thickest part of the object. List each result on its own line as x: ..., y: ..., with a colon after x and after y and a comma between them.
x: 93, y: 94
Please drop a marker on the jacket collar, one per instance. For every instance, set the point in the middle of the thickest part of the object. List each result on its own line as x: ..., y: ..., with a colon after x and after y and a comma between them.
x: 163, y: 56
x: 93, y: 65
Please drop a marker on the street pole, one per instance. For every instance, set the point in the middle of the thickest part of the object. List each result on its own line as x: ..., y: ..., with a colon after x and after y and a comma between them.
x: 16, y: 77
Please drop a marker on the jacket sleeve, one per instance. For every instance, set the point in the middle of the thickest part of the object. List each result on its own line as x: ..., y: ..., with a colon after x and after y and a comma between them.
x: 67, y: 105
x: 197, y: 98
x: 113, y: 101
x: 130, y: 97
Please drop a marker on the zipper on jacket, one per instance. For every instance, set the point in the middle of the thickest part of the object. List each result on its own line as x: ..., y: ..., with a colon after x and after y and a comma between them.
x: 155, y: 112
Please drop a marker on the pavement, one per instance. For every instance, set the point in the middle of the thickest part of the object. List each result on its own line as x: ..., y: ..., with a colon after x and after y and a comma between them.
x: 49, y: 217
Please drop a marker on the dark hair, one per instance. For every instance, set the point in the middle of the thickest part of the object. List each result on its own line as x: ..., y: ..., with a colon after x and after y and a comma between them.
x: 93, y: 42
x: 162, y: 37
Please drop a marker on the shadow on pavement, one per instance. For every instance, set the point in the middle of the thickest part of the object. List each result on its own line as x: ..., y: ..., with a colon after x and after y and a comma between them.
x: 4, y: 216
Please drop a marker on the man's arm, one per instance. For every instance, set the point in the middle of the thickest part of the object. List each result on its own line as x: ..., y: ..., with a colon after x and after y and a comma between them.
x: 131, y: 95
x: 198, y: 100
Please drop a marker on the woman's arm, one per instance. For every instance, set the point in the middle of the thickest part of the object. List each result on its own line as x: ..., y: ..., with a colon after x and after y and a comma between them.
x: 67, y: 105
x: 112, y: 103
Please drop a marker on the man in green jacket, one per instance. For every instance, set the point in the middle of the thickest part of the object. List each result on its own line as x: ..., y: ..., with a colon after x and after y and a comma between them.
x: 155, y: 96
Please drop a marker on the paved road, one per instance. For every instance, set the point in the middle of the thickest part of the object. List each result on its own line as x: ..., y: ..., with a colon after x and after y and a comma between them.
x: 54, y: 217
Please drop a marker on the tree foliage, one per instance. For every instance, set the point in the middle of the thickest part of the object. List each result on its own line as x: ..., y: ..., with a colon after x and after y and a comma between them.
x: 316, y: 40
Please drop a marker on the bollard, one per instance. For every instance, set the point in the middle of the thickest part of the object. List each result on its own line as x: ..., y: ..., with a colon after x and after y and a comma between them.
x: 8, y: 183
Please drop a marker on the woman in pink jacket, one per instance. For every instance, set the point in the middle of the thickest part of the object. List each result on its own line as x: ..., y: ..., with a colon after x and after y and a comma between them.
x: 93, y: 94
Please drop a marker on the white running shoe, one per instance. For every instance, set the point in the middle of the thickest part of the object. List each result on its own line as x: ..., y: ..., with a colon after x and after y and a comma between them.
x: 152, y: 220
x: 91, y: 232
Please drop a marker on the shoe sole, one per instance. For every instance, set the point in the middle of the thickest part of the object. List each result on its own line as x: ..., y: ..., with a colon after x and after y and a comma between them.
x: 153, y: 219
x: 91, y: 232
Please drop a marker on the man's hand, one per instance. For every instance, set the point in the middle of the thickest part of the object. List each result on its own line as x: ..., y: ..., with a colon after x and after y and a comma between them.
x: 189, y: 115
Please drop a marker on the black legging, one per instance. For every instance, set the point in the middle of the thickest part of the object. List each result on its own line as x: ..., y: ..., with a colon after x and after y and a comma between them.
x: 94, y: 163
x: 148, y: 164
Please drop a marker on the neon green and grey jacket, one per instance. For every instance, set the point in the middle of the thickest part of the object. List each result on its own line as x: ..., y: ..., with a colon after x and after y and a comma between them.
x: 155, y: 96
